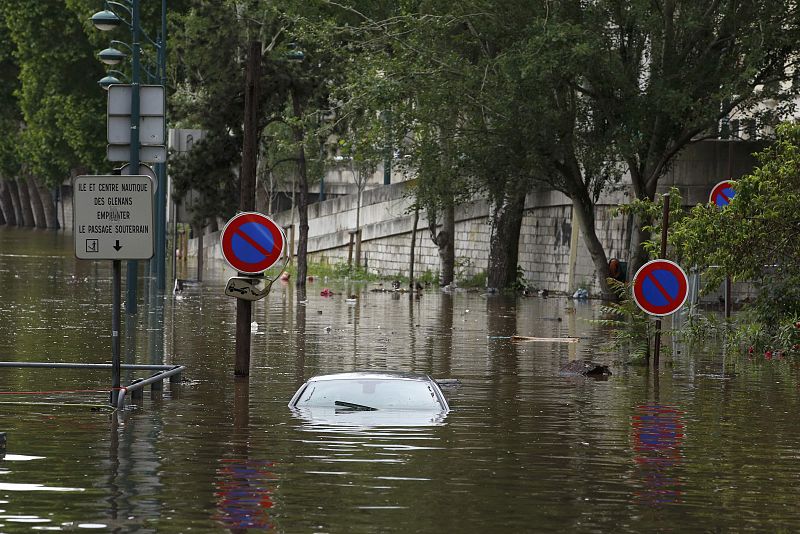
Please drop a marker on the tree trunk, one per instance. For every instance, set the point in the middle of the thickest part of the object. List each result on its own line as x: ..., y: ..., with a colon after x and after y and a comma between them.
x: 302, y: 242
x: 25, y: 203
x: 50, y: 211
x: 506, y: 222
x: 583, y: 211
x: 17, y: 202
x: 36, y: 202
x: 200, y: 251
x: 6, y: 206
x: 445, y: 240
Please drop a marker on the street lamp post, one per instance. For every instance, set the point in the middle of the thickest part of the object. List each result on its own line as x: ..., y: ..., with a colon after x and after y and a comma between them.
x: 108, y: 20
x: 161, y: 168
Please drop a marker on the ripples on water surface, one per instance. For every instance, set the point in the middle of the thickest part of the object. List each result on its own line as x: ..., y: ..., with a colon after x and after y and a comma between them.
x: 712, y: 446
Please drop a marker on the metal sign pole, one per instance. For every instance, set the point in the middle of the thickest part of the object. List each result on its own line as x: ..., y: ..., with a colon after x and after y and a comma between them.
x: 116, y: 373
x: 133, y: 265
x: 664, y: 228
x: 247, y: 195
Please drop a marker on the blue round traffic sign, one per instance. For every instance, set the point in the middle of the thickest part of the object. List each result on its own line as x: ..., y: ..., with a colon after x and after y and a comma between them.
x: 721, y: 194
x: 660, y: 287
x: 252, y: 242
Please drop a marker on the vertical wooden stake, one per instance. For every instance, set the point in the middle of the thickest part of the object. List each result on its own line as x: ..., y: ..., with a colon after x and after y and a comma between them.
x: 413, y: 249
x: 664, y: 228
x: 247, y: 194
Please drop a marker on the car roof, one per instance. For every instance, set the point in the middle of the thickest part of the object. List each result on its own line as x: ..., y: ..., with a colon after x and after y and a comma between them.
x: 360, y: 375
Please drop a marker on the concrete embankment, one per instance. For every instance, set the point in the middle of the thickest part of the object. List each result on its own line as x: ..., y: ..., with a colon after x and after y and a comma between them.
x: 552, y: 254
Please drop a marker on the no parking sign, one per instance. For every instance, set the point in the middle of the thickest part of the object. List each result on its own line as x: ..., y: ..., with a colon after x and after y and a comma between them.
x: 660, y: 287
x: 722, y: 194
x: 252, y: 242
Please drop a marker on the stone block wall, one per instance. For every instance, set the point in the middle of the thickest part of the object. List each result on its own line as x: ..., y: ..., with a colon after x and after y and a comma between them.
x: 544, y: 249
x: 546, y: 238
x: 544, y: 246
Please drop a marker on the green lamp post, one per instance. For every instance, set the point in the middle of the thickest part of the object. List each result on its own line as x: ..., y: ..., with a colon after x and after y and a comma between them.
x: 107, y: 20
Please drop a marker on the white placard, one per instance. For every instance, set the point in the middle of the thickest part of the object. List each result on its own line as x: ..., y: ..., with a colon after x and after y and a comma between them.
x: 113, y: 217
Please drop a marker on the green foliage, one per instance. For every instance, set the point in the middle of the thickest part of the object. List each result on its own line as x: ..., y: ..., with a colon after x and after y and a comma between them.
x: 751, y: 338
x: 754, y: 239
x: 702, y: 328
x: 57, y: 105
x: 336, y: 271
x: 632, y: 330
x: 653, y: 211
x: 499, y: 97
x: 207, y: 169
x: 475, y: 281
x: 429, y: 278
x: 520, y: 283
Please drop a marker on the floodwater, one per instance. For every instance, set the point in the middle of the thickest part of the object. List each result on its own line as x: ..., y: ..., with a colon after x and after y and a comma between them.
x: 712, y: 444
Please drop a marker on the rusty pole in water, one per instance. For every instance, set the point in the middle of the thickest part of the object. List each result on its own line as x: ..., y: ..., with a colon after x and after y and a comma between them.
x: 247, y: 194
x: 116, y: 374
x: 664, y: 228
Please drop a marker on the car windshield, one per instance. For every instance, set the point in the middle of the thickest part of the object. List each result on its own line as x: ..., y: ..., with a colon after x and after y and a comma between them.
x: 370, y: 393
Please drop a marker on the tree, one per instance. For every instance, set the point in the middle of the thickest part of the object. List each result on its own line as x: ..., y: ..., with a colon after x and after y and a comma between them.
x: 61, y: 105
x: 577, y: 94
x: 361, y: 145
x: 646, y: 79
x: 294, y: 93
x: 754, y: 239
x: 52, y: 109
x: 438, y: 67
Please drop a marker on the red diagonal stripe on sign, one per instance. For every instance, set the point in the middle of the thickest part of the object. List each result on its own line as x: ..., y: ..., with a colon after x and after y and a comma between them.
x: 252, y: 242
x: 725, y: 197
x: 660, y: 288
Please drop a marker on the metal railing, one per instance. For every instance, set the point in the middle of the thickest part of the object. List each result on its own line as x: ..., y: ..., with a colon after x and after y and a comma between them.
x: 172, y: 372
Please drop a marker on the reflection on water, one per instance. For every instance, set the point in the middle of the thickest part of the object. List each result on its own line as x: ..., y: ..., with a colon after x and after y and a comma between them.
x: 325, y: 417
x: 244, y: 494
x: 33, y: 487
x: 658, y: 433
x: 523, y: 448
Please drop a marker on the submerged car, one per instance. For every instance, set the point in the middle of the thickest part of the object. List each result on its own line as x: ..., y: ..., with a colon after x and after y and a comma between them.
x: 371, y: 391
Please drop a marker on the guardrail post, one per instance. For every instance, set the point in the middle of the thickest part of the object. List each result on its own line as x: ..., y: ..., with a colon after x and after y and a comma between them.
x: 158, y: 385
x: 137, y: 394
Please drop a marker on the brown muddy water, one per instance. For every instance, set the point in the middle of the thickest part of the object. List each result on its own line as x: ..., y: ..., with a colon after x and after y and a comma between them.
x: 712, y: 445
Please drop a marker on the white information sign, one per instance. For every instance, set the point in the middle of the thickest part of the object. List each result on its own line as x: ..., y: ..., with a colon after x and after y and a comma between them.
x: 150, y: 154
x: 113, y: 217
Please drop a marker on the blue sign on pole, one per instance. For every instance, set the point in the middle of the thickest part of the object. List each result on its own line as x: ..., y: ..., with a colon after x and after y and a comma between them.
x: 660, y: 287
x: 252, y: 242
x: 721, y: 194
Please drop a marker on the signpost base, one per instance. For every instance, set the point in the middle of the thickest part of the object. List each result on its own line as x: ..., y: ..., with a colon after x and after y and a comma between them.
x: 243, y: 316
x: 116, y: 290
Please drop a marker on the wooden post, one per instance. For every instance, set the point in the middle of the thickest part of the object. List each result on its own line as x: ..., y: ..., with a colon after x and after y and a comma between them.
x: 358, y: 248
x: 200, y: 253
x: 289, y: 230
x: 664, y: 228
x: 247, y: 194
x: 728, y: 288
x: 350, y: 251
x: 413, y: 248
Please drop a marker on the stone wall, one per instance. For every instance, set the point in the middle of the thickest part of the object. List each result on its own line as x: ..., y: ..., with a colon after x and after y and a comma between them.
x: 545, y: 237
x: 548, y: 239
